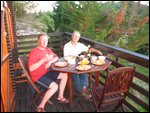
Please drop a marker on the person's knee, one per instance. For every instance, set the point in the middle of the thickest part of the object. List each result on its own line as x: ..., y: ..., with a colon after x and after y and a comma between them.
x: 64, y: 76
x: 54, y: 86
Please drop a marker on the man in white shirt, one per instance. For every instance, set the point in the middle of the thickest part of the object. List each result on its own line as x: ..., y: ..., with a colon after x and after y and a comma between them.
x: 74, y: 48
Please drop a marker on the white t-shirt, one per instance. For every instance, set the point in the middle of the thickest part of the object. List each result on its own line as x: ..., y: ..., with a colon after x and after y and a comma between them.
x: 70, y: 49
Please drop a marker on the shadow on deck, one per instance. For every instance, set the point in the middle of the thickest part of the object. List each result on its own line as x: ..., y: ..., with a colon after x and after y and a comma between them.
x: 25, y: 93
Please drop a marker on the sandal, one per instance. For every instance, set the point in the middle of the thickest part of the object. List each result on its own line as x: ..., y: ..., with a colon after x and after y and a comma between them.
x: 83, y: 90
x: 63, y: 100
x: 40, y: 110
x: 87, y: 94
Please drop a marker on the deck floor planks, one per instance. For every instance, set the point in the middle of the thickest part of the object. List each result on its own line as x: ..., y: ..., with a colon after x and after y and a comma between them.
x: 25, y: 94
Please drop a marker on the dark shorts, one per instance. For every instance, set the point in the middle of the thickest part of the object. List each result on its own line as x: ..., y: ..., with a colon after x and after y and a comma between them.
x: 47, y: 79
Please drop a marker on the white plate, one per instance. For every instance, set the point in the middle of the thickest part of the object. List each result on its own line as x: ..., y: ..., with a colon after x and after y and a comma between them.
x: 83, y: 67
x: 98, y: 62
x: 61, y: 64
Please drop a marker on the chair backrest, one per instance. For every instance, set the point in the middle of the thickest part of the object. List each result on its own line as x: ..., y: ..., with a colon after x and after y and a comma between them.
x: 23, y: 60
x: 115, y: 88
x: 118, y: 80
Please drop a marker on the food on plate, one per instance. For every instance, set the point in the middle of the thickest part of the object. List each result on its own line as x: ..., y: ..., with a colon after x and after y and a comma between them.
x: 61, y: 64
x: 69, y: 57
x: 84, y: 62
x: 83, y: 67
x: 98, y: 62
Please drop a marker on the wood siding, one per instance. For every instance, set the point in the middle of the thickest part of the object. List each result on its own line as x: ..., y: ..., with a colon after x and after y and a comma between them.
x: 7, y: 87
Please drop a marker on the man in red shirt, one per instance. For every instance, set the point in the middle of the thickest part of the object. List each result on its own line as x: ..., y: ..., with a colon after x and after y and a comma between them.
x: 40, y: 59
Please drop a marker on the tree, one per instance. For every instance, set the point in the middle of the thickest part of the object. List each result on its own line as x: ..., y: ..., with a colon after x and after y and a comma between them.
x: 46, y: 21
x: 21, y: 7
x: 70, y: 16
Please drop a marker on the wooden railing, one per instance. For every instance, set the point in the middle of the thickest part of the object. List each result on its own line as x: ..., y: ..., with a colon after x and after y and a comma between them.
x: 27, y: 42
x: 138, y: 96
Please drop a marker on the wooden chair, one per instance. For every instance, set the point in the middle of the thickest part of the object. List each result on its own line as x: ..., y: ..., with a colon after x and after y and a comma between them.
x: 23, y: 60
x: 114, y: 91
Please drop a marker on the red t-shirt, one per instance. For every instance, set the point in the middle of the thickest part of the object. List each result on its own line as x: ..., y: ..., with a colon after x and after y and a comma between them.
x: 35, y: 55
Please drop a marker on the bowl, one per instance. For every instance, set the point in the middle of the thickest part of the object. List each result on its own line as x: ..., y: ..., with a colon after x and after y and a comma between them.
x: 102, y: 57
x: 94, y: 58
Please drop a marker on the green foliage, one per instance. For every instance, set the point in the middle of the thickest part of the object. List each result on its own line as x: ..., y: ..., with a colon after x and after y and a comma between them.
x: 46, y: 20
x: 138, y: 107
x: 21, y: 7
x: 41, y: 22
x: 101, y: 36
x: 121, y: 42
x: 95, y: 20
x: 144, y: 49
x: 134, y: 13
x: 82, y: 17
x: 98, y: 21
x: 139, y: 38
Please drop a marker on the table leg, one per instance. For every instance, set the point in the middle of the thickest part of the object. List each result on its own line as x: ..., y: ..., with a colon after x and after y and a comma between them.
x: 97, y: 74
x: 70, y: 88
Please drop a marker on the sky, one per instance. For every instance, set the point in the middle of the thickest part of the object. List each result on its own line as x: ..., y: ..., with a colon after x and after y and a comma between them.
x: 47, y: 5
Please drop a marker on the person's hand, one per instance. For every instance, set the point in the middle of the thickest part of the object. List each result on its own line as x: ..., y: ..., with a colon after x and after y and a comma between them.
x: 48, y: 65
x: 99, y: 52
x: 54, y: 59
x: 48, y: 58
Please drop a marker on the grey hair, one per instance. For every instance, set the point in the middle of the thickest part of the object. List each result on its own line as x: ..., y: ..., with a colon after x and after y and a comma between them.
x: 76, y: 33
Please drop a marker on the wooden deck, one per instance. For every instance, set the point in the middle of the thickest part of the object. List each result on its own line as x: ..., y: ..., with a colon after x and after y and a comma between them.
x: 141, y: 79
x: 25, y: 94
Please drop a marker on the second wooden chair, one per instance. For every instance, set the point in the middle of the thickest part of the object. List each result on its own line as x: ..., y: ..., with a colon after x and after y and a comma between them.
x: 114, y: 91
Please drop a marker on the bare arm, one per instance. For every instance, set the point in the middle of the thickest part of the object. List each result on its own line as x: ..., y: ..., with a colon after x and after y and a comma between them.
x: 50, y: 62
x: 95, y: 50
x: 38, y: 64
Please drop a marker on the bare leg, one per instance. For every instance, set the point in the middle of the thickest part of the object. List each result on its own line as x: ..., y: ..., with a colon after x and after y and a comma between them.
x: 53, y: 87
x: 63, y: 80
